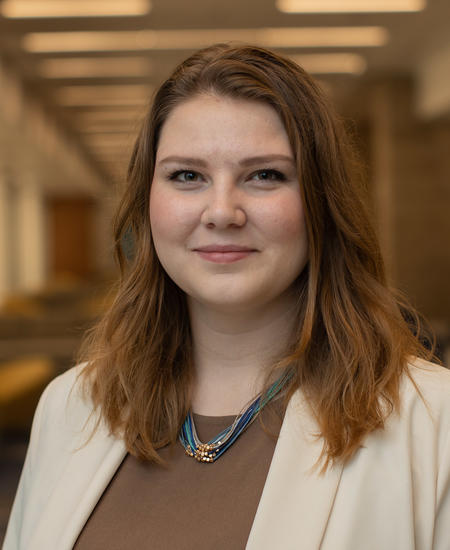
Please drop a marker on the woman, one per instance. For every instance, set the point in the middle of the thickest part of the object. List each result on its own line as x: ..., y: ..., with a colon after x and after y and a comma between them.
x: 255, y: 290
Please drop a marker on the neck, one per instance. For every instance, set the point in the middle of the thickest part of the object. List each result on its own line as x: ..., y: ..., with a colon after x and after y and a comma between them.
x: 233, y: 352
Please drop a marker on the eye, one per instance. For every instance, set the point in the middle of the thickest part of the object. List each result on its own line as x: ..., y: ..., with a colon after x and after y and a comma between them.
x: 268, y: 175
x: 185, y: 176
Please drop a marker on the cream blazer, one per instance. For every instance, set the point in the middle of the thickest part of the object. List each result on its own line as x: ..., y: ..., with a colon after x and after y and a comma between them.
x: 393, y: 495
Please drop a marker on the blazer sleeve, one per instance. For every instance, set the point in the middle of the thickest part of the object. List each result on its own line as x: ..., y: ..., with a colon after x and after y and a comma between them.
x: 442, y: 523
x: 13, y: 532
x: 37, y: 451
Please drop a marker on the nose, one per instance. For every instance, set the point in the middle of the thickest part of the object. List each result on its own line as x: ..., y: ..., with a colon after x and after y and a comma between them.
x: 224, y: 208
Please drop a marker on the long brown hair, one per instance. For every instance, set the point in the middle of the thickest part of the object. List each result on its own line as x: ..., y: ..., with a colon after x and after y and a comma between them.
x: 352, y: 340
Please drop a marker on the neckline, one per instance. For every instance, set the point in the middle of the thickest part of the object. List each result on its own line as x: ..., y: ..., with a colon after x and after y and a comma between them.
x: 206, y: 419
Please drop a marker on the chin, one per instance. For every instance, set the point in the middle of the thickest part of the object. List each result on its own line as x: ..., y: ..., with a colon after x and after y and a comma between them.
x: 234, y: 302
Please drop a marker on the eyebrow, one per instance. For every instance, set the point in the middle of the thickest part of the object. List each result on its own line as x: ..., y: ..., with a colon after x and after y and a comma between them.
x: 250, y: 161
x: 265, y: 158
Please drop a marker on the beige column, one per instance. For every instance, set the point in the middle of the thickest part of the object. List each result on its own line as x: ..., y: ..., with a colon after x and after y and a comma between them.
x: 6, y: 236
x: 31, y: 234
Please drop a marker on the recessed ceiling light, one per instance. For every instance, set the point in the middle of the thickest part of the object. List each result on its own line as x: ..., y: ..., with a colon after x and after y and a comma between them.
x: 331, y: 63
x: 281, y: 37
x: 24, y: 9
x: 324, y: 37
x: 336, y: 6
x: 97, y: 67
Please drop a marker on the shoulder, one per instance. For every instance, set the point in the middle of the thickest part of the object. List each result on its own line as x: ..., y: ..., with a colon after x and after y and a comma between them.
x: 422, y: 423
x: 65, y: 392
x: 425, y: 417
x: 429, y: 384
x: 415, y: 440
x: 63, y: 413
x: 430, y: 375
x: 59, y: 389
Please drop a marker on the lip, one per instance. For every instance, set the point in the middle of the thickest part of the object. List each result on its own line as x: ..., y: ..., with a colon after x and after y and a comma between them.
x: 224, y: 248
x: 224, y: 254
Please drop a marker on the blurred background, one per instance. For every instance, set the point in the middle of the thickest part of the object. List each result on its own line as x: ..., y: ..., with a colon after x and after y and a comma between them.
x: 76, y: 77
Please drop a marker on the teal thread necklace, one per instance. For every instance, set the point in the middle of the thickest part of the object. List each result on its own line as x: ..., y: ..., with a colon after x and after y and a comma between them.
x: 215, y: 447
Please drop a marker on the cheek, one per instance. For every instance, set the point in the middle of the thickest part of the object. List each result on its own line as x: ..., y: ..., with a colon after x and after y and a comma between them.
x: 284, y: 221
x: 170, y: 216
x: 159, y: 215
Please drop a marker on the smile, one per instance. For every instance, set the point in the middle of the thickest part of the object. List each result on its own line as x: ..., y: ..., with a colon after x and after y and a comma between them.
x: 223, y: 254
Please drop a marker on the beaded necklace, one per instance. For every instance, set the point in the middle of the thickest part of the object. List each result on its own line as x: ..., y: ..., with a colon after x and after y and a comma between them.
x: 215, y: 447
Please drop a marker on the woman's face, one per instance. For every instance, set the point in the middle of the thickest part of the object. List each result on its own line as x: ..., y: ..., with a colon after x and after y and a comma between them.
x: 225, y: 208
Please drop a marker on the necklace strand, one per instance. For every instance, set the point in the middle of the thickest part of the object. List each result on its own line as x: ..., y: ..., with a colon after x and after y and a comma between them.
x: 215, y: 447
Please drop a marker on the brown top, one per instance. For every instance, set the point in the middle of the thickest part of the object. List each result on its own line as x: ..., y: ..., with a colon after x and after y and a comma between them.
x: 188, y: 505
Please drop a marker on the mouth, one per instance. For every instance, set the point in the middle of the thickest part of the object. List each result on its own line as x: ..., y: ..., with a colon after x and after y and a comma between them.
x: 224, y: 254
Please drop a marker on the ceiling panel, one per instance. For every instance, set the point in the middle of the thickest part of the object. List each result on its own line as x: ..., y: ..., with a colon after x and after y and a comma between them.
x: 97, y: 74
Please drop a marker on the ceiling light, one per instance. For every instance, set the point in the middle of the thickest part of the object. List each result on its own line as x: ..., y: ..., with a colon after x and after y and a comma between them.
x: 89, y: 67
x: 320, y: 37
x: 24, y: 9
x: 331, y: 63
x: 281, y: 37
x: 133, y: 94
x: 336, y: 6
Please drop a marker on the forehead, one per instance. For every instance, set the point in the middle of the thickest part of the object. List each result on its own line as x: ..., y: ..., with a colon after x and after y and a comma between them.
x: 212, y: 123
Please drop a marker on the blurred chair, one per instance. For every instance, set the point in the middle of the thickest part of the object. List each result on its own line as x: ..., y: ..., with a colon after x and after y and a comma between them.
x: 21, y: 383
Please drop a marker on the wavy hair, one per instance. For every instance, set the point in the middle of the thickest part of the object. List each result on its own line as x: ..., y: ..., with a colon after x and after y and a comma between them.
x: 353, y: 336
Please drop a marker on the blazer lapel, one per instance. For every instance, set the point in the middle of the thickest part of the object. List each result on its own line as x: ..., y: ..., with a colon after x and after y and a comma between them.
x: 86, y: 475
x: 297, y: 500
